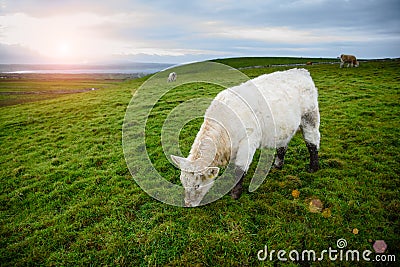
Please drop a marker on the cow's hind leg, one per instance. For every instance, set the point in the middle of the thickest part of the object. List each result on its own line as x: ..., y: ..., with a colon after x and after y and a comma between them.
x: 310, y: 129
x: 313, y: 150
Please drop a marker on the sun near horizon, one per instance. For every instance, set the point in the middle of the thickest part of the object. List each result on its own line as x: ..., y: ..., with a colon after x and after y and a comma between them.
x: 64, y: 50
x: 59, y: 39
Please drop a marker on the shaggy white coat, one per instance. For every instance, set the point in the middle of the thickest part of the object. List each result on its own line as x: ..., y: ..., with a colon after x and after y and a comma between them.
x: 172, y: 77
x: 264, y: 112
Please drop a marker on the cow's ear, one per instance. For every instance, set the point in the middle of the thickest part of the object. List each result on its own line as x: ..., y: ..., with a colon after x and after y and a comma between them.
x: 211, y: 172
x: 178, y: 161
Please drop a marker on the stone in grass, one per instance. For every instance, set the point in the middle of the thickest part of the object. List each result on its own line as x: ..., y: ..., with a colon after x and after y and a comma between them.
x: 326, y: 213
x: 380, y: 246
x: 315, y: 205
x: 295, y: 193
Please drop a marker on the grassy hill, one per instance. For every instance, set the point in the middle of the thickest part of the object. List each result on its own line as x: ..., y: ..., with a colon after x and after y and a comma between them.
x: 244, y: 62
x: 67, y: 197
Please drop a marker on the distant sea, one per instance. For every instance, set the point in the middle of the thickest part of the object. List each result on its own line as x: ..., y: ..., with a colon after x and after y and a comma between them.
x: 133, y: 68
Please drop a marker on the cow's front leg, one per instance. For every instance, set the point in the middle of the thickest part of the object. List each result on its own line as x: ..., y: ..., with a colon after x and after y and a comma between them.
x: 237, y: 191
x: 280, y: 157
x: 243, y: 159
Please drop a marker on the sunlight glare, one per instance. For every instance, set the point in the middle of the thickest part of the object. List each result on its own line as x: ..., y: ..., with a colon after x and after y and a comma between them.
x: 64, y: 49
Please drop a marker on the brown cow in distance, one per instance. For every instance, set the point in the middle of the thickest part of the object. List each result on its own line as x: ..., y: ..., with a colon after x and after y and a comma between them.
x: 349, y: 59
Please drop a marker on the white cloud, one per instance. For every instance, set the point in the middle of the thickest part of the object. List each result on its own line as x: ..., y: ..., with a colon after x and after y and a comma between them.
x: 275, y: 35
x: 290, y: 35
x: 269, y: 34
x: 298, y: 3
x: 155, y: 51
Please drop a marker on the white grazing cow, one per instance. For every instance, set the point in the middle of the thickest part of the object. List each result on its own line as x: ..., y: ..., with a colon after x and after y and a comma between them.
x: 172, y: 77
x: 264, y: 112
x: 349, y: 59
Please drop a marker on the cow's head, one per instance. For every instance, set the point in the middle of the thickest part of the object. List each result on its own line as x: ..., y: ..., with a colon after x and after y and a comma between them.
x: 195, y: 178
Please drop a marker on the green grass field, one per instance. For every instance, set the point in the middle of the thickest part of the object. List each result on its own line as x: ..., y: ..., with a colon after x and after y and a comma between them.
x: 68, y: 199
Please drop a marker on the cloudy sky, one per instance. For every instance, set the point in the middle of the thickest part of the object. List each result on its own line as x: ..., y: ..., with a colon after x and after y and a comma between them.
x: 93, y: 31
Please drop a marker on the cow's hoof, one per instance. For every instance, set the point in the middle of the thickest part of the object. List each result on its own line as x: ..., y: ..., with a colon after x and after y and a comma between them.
x: 278, y: 167
x: 313, y: 169
x: 236, y: 192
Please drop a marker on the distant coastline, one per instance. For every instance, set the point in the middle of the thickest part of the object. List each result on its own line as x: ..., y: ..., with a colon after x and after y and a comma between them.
x: 133, y: 68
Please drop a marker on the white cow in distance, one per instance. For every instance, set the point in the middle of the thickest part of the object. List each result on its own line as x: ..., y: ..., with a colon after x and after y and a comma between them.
x: 172, y: 77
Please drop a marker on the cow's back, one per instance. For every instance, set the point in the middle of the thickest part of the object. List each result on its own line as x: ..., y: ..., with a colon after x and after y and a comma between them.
x: 290, y: 94
x: 271, y: 105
